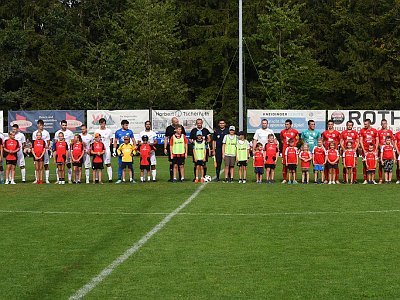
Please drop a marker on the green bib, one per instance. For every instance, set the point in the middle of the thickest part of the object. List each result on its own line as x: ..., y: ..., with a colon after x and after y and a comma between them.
x: 179, y: 145
x: 242, y: 150
x: 230, y: 146
x: 199, y: 149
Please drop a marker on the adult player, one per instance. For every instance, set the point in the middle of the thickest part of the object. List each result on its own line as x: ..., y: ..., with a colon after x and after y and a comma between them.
x: 349, y: 135
x: 286, y: 134
x: 169, y: 132
x: 218, y: 138
x: 87, y: 140
x: 152, y: 140
x: 118, y: 140
x: 46, y: 138
x: 20, y: 137
x: 206, y: 137
x: 68, y: 137
x: 383, y: 133
x: 368, y: 135
x: 328, y: 136
x: 107, y: 139
x: 261, y: 134
x: 310, y: 136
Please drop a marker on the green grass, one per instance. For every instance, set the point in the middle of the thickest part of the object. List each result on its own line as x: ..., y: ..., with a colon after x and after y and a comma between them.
x: 232, y: 241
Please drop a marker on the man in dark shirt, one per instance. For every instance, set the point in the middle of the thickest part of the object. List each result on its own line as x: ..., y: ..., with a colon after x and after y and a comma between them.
x: 218, y: 137
x: 207, y: 139
x: 169, y: 132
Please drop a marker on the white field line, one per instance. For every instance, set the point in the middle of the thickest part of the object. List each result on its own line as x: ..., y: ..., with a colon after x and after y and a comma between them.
x: 82, y: 292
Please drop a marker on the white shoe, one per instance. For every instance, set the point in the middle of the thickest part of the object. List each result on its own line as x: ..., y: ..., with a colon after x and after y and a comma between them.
x: 333, y: 182
x: 374, y: 182
x: 365, y: 182
x: 398, y: 182
x: 338, y: 182
x: 284, y: 181
x: 69, y: 181
x: 34, y: 181
x: 12, y: 182
x: 330, y: 182
x: 87, y: 181
x: 7, y: 182
x: 47, y: 182
x: 57, y: 182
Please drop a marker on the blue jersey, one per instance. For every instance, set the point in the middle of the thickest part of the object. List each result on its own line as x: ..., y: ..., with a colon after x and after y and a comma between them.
x: 121, y: 133
x: 311, y: 138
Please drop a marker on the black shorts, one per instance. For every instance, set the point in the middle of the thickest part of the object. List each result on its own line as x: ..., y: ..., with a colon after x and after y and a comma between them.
x: 259, y: 170
x: 128, y: 165
x: 40, y: 159
x: 178, y: 160
x: 292, y: 167
x: 145, y: 167
x: 97, y: 166
x: 61, y: 160
x: 270, y: 166
x: 11, y: 162
x: 242, y: 163
x: 371, y: 172
x: 200, y: 163
x: 77, y: 164
x: 331, y: 166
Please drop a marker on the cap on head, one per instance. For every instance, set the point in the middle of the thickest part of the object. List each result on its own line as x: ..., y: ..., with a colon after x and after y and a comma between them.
x: 232, y: 128
x: 145, y: 138
x: 97, y: 135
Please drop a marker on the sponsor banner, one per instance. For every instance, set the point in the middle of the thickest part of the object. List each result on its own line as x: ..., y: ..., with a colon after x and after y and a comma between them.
x: 340, y: 117
x: 1, y: 121
x: 26, y: 120
x: 136, y: 119
x: 276, y: 119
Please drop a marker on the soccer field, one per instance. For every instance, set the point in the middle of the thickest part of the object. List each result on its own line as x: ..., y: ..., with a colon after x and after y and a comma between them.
x: 230, y: 241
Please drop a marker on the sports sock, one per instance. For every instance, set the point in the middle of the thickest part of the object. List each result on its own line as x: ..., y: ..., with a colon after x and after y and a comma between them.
x: 87, y: 174
x: 171, y: 171
x: 380, y: 172
x: 154, y: 173
x: 148, y: 178
x: 355, y: 174
x: 58, y: 179
x: 47, y: 174
x: 69, y: 174
x: 109, y: 173
x: 23, y: 174
x: 194, y: 170
x: 205, y: 171
x: 284, y: 171
x: 1, y: 175
x: 141, y: 178
x: 337, y: 174
x: 365, y: 172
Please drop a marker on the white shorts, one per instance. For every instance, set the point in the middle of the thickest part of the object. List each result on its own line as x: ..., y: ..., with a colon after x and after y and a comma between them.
x: 107, y: 156
x: 46, y: 157
x: 153, y: 160
x: 20, y: 159
x: 86, y: 161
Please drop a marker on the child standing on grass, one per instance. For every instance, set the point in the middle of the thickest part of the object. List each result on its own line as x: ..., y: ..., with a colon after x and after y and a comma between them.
x: 370, y: 159
x: 199, y: 156
x: 11, y: 148
x: 319, y: 161
x: 242, y: 156
x: 271, y: 152
x: 126, y: 151
x: 38, y: 150
x: 291, y: 158
x: 179, y: 149
x: 60, y: 157
x: 97, y: 150
x: 145, y: 150
x: 349, y: 162
x: 387, y: 158
x: 305, y: 163
x: 229, y: 145
x: 332, y: 160
x: 258, y: 162
x: 1, y: 159
x: 77, y: 152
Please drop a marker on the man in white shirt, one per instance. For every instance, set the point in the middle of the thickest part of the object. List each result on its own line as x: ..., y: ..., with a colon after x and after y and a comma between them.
x: 20, y: 137
x: 68, y: 136
x: 87, y: 140
x: 107, y: 139
x: 46, y: 138
x: 152, y: 141
x: 261, y: 134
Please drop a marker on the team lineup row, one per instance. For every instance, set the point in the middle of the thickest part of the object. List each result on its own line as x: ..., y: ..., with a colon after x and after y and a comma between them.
x: 309, y: 148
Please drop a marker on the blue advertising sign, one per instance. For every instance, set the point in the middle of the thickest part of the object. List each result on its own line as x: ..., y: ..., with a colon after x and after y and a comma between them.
x: 27, y: 120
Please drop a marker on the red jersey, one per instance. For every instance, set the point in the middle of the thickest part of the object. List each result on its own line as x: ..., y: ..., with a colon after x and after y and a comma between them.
x: 331, y: 136
x: 258, y: 157
x: 77, y: 150
x: 38, y: 147
x: 11, y: 145
x: 61, y: 148
x: 145, y: 150
x: 286, y: 135
x: 388, y: 152
x: 271, y: 152
x: 370, y: 160
x: 333, y: 154
x: 397, y: 139
x: 319, y: 154
x: 291, y: 155
x: 349, y: 136
x: 97, y: 147
x: 305, y: 155
x: 382, y: 134
x: 369, y: 136
x: 349, y: 158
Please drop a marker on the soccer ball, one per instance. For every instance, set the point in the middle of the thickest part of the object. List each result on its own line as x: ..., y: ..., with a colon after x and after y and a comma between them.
x: 207, y: 178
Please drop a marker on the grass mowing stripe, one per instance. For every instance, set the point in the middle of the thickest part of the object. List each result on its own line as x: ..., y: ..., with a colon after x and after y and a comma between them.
x: 82, y: 292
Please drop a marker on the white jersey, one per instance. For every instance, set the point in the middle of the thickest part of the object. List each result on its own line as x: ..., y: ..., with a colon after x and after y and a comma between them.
x: 68, y: 136
x: 45, y: 135
x: 261, y: 135
x: 151, y: 134
x: 20, y: 137
x: 87, y: 139
x: 106, y: 136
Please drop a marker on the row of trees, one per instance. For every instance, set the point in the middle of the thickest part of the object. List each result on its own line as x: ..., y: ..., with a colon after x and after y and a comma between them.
x: 170, y: 54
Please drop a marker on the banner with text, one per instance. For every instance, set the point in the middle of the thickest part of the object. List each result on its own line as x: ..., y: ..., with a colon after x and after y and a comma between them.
x: 276, y: 119
x: 26, y: 120
x: 1, y: 121
x: 340, y: 117
x: 136, y: 119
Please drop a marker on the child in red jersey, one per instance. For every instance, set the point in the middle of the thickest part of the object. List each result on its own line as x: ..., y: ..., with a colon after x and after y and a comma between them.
x: 77, y: 152
x: 349, y: 162
x: 145, y: 150
x: 305, y: 162
x: 291, y: 158
x: 271, y: 151
x: 332, y: 162
x: 370, y: 159
x: 38, y: 150
x: 319, y: 161
x: 11, y: 148
x: 97, y: 150
x: 387, y: 159
x: 258, y: 162
x: 1, y: 159
x: 60, y: 157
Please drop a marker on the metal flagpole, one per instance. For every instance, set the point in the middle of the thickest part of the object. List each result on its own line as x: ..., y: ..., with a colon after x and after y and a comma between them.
x: 241, y: 65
